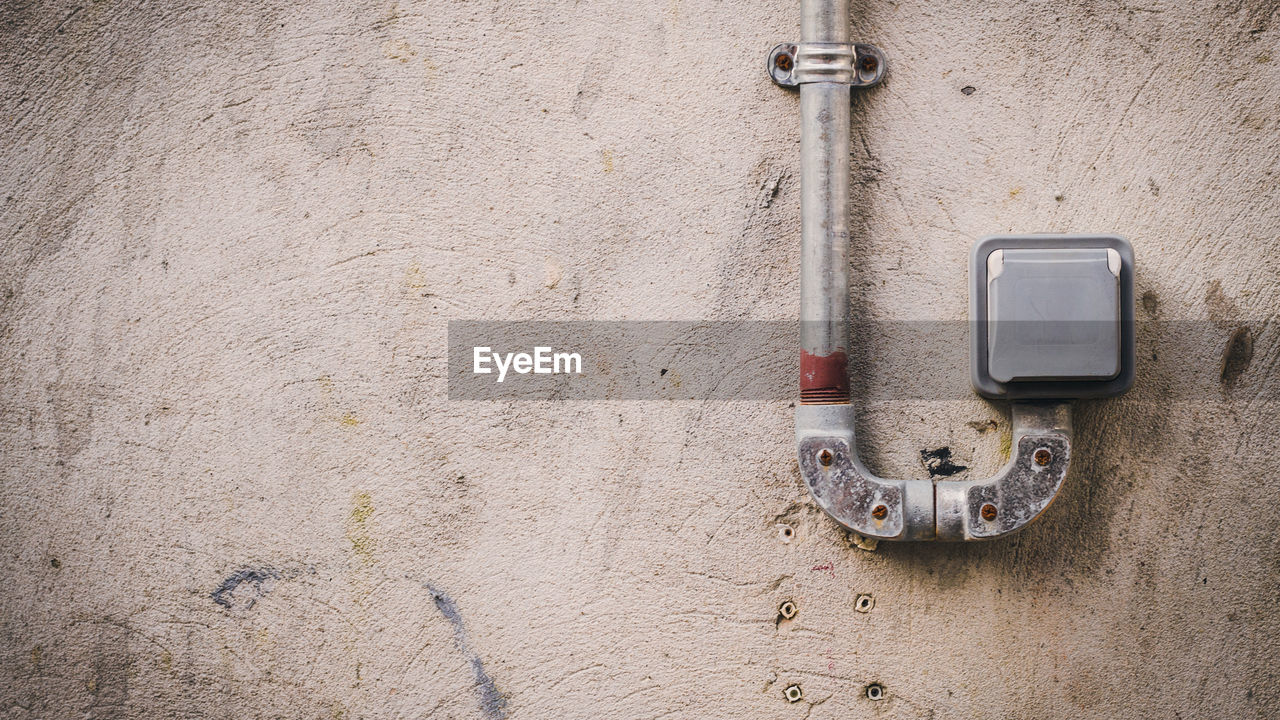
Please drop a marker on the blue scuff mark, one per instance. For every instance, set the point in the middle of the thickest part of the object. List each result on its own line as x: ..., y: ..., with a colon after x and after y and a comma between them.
x: 492, y: 703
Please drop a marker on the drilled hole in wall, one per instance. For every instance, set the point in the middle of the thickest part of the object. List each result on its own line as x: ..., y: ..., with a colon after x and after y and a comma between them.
x: 875, y: 691
x: 787, y: 610
x: 786, y: 533
x: 793, y: 693
x: 864, y: 603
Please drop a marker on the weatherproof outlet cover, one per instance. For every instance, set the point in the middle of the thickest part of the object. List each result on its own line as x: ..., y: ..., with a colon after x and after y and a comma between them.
x: 1051, y: 316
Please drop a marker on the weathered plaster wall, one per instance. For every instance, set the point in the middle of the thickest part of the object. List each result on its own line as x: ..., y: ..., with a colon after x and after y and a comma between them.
x: 232, y: 485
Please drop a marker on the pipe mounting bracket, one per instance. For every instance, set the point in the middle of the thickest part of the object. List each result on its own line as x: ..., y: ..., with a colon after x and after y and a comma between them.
x: 853, y: 64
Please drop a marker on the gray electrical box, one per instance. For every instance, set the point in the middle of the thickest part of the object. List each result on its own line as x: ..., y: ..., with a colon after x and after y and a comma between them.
x: 1051, y: 316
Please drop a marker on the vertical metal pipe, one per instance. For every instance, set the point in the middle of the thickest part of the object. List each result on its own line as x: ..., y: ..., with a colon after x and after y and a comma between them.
x: 824, y: 216
x: 824, y: 21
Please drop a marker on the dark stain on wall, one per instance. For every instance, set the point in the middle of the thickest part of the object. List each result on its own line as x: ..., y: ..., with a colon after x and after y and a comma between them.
x: 244, y: 587
x: 492, y: 703
x: 1151, y: 303
x: 939, y: 464
x: 1237, y: 356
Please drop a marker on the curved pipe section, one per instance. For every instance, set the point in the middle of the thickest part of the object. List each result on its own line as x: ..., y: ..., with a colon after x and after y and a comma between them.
x: 1024, y: 487
x: 846, y: 490
x: 922, y: 509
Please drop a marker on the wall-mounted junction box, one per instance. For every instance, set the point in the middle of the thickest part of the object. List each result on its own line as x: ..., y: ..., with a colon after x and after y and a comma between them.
x: 1051, y: 316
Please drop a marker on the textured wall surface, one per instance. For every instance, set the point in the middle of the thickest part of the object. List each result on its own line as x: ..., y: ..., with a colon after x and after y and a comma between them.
x: 232, y: 484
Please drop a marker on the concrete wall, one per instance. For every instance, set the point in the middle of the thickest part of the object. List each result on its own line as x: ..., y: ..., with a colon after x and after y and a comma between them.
x: 233, y: 485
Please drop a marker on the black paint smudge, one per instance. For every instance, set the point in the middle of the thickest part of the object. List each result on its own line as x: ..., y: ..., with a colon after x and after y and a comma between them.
x: 938, y: 462
x: 492, y: 703
x: 244, y: 587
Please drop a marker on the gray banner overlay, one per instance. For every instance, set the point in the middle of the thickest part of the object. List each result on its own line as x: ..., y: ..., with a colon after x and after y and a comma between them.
x: 1185, y: 360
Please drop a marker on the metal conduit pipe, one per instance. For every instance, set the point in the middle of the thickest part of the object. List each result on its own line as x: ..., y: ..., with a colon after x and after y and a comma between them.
x: 825, y: 66
x: 824, y: 224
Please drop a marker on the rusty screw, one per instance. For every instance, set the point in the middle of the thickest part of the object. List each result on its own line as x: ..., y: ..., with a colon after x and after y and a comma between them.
x: 793, y: 693
x: 825, y: 457
x: 783, y: 61
x: 879, y: 512
x: 1043, y: 457
x: 868, y: 63
x: 989, y: 512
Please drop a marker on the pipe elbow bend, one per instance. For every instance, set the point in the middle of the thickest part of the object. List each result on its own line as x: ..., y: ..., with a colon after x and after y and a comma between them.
x: 954, y: 510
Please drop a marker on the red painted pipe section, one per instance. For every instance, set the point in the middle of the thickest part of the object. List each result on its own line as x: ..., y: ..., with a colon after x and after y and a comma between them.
x: 824, y: 379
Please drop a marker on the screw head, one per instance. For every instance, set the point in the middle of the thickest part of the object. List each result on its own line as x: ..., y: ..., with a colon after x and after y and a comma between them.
x: 787, y: 610
x: 783, y: 61
x: 826, y: 458
x: 868, y: 63
x: 989, y: 512
x: 793, y: 693
x: 1043, y: 457
x: 879, y: 512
